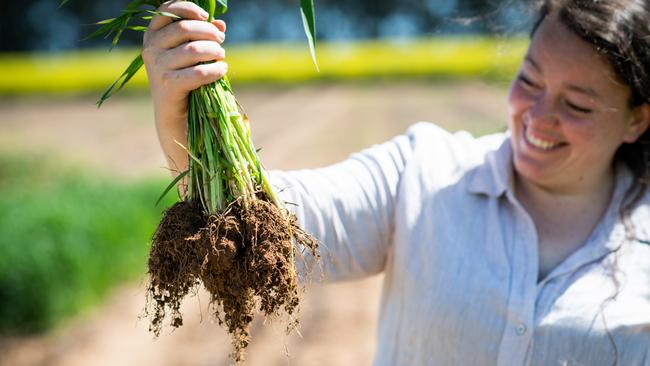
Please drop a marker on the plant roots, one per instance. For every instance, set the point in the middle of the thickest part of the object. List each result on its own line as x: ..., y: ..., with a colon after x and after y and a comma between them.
x: 244, y: 257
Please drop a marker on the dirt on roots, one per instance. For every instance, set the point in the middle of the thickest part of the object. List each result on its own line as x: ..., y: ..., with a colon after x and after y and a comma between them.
x: 244, y: 257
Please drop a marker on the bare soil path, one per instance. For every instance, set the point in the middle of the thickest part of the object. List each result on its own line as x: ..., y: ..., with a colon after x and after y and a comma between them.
x: 296, y: 127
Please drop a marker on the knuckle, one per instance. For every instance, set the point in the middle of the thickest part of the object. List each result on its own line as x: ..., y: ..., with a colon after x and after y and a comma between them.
x: 183, y: 26
x: 193, y: 48
x: 201, y: 73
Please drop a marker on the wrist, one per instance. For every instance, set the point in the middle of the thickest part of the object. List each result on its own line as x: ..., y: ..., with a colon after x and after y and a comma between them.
x: 170, y: 112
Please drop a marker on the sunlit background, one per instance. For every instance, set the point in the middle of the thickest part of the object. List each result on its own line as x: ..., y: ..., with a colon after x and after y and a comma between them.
x: 78, y: 184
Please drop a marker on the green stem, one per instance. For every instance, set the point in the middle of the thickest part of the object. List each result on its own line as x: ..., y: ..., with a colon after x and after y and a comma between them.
x: 212, y: 4
x: 224, y: 164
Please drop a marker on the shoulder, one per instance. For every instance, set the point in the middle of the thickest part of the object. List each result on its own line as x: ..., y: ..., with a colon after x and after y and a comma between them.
x: 445, y: 154
x: 427, y: 136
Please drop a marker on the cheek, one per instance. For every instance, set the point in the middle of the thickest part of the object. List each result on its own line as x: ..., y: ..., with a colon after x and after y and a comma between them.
x: 581, y: 129
x: 518, y: 102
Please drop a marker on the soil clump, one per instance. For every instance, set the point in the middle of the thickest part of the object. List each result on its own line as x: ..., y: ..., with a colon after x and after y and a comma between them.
x: 244, y: 257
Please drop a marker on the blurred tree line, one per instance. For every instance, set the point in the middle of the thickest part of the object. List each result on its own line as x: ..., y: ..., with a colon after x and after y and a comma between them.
x: 41, y: 25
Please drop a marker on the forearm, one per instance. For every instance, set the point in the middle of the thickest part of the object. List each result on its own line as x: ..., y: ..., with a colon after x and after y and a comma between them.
x: 171, y: 127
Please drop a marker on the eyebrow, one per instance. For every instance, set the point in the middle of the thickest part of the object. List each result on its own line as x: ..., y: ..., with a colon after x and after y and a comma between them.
x: 577, y: 88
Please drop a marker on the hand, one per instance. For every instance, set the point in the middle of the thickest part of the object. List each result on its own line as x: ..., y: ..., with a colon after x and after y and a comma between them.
x: 172, y: 54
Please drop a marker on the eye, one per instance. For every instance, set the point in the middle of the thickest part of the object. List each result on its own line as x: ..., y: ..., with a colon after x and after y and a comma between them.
x: 577, y: 108
x: 526, y: 81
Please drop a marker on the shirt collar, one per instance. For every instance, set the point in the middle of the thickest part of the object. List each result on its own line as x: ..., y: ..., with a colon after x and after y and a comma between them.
x: 495, y: 177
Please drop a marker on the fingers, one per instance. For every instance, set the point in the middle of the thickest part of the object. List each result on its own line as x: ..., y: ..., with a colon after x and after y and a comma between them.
x: 178, y: 54
x: 192, y: 53
x: 220, y: 24
x: 193, y: 77
x: 184, y: 31
x: 184, y: 9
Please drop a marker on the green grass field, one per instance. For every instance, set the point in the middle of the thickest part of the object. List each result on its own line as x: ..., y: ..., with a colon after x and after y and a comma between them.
x: 67, y: 238
x: 449, y: 57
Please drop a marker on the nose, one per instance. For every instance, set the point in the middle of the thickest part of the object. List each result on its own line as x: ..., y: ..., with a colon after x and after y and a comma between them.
x: 542, y: 111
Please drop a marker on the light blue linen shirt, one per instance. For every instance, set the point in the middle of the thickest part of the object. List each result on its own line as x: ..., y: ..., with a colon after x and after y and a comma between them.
x: 436, y: 213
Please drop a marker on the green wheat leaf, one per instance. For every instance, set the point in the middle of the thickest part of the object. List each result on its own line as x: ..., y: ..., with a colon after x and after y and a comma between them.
x: 137, y: 28
x: 212, y: 5
x: 108, y: 26
x: 222, y: 7
x: 105, y: 21
x: 117, y: 37
x: 309, y: 23
x: 133, y: 67
x: 164, y: 14
x: 172, y: 185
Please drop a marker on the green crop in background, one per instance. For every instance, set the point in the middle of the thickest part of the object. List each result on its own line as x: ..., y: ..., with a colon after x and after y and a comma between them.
x: 66, y: 238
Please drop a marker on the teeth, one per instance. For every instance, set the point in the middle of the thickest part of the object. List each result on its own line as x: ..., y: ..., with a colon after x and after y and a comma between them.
x: 542, y: 144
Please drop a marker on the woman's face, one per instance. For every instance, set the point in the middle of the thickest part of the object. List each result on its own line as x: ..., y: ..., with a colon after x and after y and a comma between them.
x: 568, y: 112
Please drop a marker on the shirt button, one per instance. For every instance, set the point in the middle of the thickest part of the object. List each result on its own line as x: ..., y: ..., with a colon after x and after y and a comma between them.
x: 520, y: 329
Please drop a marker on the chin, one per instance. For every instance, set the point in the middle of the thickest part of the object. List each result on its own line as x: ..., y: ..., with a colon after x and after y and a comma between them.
x: 530, y: 169
x: 527, y: 172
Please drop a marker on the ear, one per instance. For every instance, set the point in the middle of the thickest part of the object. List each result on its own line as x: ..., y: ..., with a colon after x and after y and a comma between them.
x: 640, y: 120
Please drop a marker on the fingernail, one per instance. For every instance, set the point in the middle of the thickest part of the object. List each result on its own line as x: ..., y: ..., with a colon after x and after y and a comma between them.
x: 204, y: 14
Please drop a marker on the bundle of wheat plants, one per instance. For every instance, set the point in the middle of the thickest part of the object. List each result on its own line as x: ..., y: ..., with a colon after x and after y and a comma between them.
x: 229, y: 232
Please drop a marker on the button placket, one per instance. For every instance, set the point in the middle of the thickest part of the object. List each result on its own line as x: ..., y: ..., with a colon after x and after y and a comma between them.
x: 520, y: 329
x: 516, y: 341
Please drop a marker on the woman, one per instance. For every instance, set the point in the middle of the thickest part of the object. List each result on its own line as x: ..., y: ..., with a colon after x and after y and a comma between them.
x: 523, y: 248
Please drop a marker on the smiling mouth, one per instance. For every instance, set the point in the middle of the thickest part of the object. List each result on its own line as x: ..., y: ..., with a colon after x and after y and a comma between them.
x: 541, y: 144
